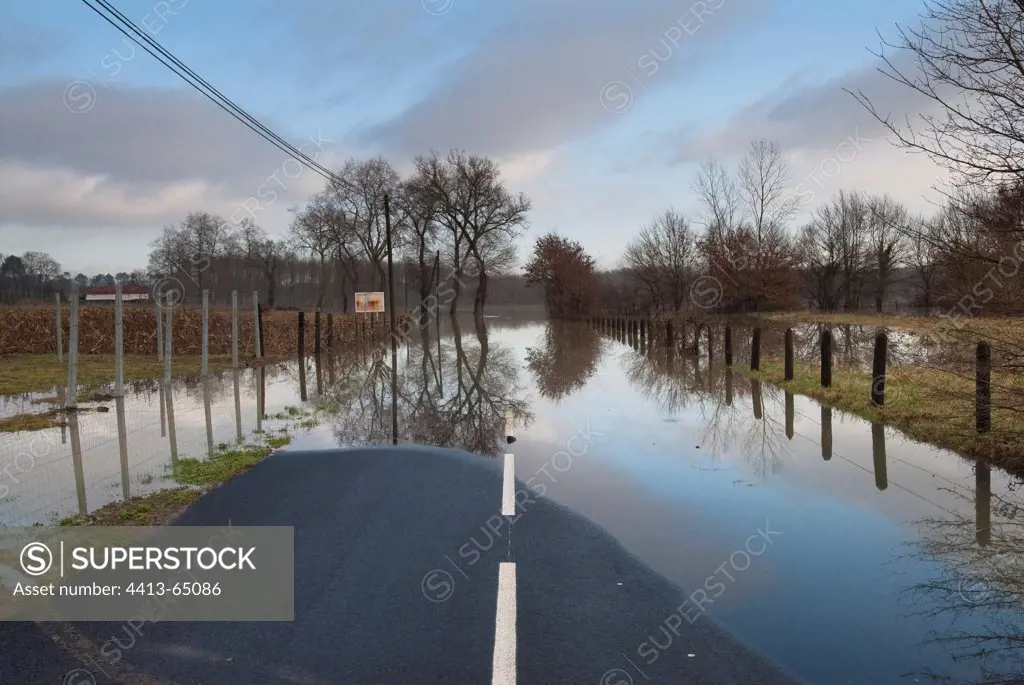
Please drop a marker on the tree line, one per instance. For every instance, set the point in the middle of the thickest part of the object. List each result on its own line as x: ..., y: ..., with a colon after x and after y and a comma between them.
x: 742, y: 252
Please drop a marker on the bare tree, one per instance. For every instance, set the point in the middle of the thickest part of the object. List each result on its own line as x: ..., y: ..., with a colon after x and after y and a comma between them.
x: 663, y: 256
x: 966, y: 60
x: 311, y: 232
x: 923, y: 256
x: 474, y: 206
x: 263, y: 254
x: 887, y: 226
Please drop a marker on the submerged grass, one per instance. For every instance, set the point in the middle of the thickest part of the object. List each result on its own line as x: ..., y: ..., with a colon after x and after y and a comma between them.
x: 929, y: 405
x: 29, y: 422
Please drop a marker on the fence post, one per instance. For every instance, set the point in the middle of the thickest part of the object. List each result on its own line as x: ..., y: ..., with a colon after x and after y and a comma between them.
x: 755, y: 350
x: 983, y: 388
x: 234, y: 329
x: 302, y: 334
x: 257, y: 333
x: 168, y: 338
x: 330, y: 330
x: 118, y: 341
x: 789, y: 354
x: 826, y: 359
x: 728, y: 345
x: 60, y: 333
x: 316, y: 332
x: 259, y: 327
x: 206, y: 333
x: 71, y: 402
x: 878, y: 370
x: 159, y: 326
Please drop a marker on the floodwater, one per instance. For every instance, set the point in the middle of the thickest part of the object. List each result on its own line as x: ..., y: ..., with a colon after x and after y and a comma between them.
x: 887, y: 561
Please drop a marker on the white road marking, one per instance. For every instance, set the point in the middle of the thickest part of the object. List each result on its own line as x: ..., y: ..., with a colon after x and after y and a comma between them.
x: 504, y: 664
x: 508, y: 487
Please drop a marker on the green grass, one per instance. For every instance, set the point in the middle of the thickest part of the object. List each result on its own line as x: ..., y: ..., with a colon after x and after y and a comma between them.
x: 149, y: 510
x: 22, y: 373
x: 227, y: 461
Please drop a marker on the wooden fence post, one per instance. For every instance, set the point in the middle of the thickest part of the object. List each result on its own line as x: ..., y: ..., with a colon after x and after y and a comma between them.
x: 205, y: 363
x: 118, y: 342
x: 256, y: 321
x: 728, y: 345
x: 302, y: 334
x: 983, y: 388
x: 234, y: 329
x: 60, y: 333
x: 330, y: 330
x: 71, y: 401
x: 159, y: 327
x: 789, y: 354
x: 755, y: 350
x: 826, y: 359
x: 316, y: 332
x: 878, y: 370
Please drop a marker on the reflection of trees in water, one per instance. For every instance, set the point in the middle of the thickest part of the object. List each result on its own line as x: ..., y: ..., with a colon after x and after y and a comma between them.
x: 567, y: 359
x: 978, y: 591
x: 680, y: 381
x: 452, y: 395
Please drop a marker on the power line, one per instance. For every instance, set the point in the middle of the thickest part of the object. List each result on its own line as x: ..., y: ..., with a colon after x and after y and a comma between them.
x: 166, y: 58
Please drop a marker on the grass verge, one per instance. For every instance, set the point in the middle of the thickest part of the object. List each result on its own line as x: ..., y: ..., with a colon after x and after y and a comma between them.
x: 29, y: 422
x: 22, y: 373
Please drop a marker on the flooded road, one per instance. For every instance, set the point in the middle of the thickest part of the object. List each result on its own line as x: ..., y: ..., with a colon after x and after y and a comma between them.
x: 838, y: 548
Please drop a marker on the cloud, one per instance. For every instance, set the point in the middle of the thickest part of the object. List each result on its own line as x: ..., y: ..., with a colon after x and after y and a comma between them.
x: 535, y: 81
x: 802, y: 116
x: 137, y: 155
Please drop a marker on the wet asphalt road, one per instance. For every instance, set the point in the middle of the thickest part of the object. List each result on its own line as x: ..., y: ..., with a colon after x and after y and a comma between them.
x: 397, y: 558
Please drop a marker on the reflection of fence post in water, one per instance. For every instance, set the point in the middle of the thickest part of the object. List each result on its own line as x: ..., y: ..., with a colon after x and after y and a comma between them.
x: 330, y: 331
x: 392, y: 309
x: 60, y: 332
x: 983, y: 388
x: 71, y: 402
x: 238, y: 406
x: 643, y: 333
x: 982, y: 503
x: 728, y: 386
x: 319, y: 376
x: 163, y: 408
x: 878, y: 370
x: 728, y: 345
x: 755, y: 396
x: 789, y: 355
x: 826, y: 359
x: 207, y: 414
x: 261, y: 393
x: 76, y: 462
x: 669, y: 339
x: 62, y: 401
x: 878, y: 455
x: 789, y: 415
x: 122, y: 444
x: 826, y: 432
x: 711, y: 344
x: 172, y: 434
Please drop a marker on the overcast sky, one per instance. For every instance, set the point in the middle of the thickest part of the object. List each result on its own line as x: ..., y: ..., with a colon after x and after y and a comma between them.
x: 600, y: 110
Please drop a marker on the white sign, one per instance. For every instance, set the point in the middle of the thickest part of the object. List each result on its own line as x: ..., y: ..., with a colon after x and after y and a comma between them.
x: 369, y: 302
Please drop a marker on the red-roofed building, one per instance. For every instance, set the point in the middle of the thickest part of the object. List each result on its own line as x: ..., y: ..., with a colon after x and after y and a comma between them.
x: 105, y: 293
